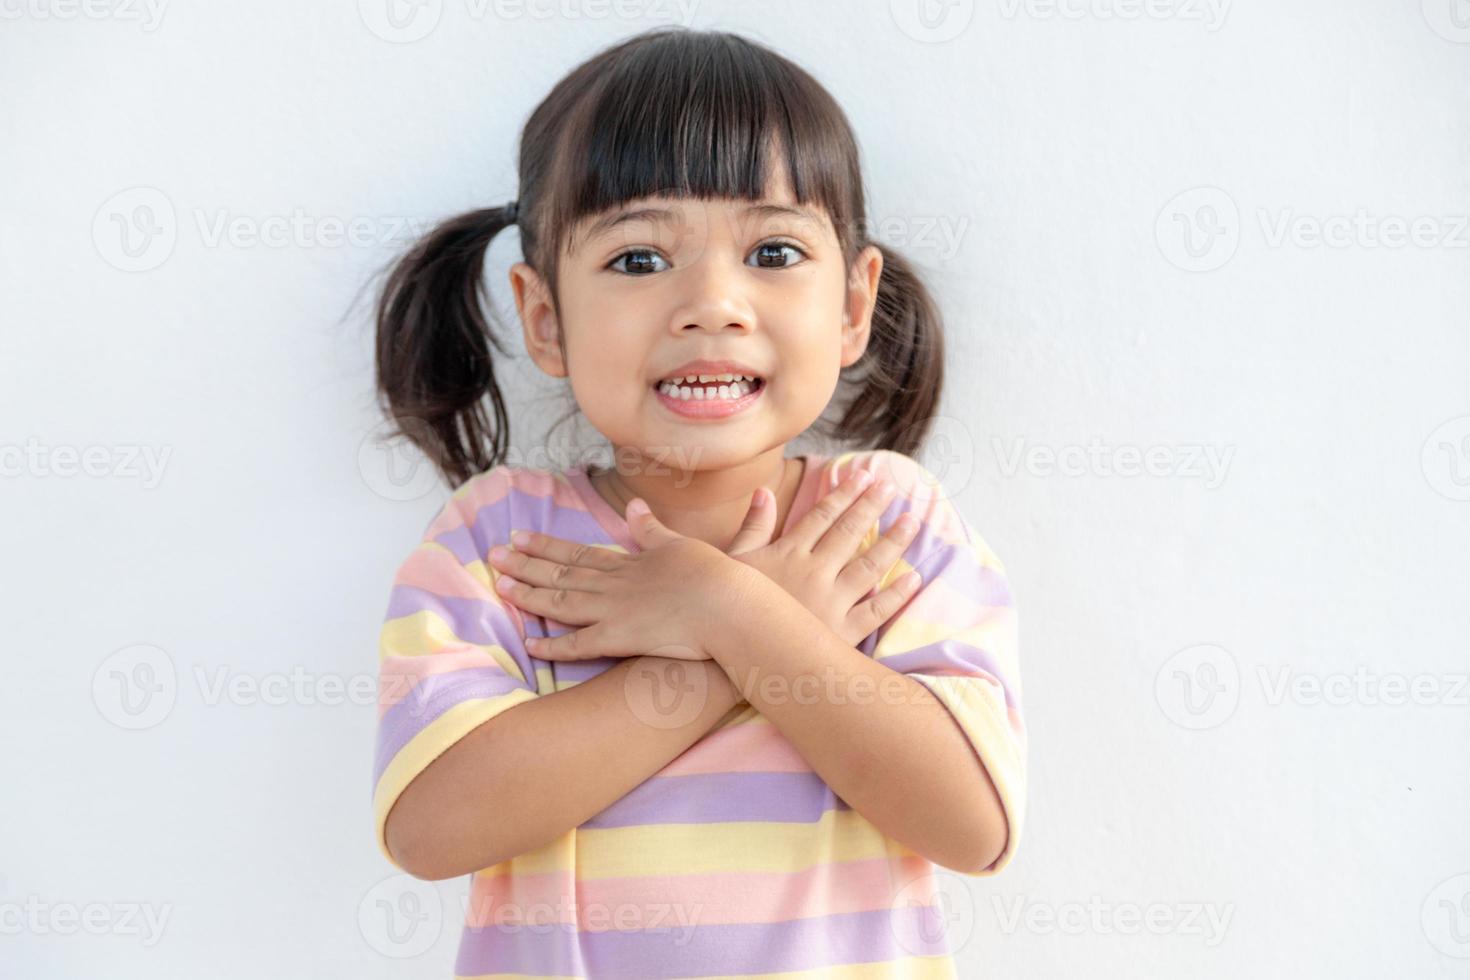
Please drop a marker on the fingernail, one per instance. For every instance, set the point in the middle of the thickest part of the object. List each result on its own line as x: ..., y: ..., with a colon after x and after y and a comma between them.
x: 864, y: 478
x: 637, y: 506
x: 499, y: 552
x: 505, y: 582
x: 521, y: 538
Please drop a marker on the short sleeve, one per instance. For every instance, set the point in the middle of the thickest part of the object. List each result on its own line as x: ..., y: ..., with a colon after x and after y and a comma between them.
x: 958, y: 634
x: 451, y: 655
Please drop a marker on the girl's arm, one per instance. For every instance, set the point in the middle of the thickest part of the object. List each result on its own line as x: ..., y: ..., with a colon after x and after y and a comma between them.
x: 879, y: 738
x: 479, y: 803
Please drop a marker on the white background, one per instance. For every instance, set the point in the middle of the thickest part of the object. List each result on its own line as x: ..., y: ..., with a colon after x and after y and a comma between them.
x: 1031, y: 159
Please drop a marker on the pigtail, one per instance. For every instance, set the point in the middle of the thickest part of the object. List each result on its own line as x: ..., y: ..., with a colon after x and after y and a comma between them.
x: 433, y: 348
x: 901, y: 374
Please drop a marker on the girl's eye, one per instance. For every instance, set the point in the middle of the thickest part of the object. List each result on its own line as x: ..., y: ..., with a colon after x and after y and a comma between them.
x: 641, y: 265
x: 642, y: 261
x: 772, y: 250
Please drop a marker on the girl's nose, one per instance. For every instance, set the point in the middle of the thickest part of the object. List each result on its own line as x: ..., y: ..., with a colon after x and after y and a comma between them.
x: 717, y: 299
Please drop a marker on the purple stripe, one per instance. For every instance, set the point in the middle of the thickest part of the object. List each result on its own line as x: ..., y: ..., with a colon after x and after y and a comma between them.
x: 951, y: 655
x: 470, y: 620
x: 576, y: 671
x: 461, y: 543
x: 429, y: 699
x: 781, y: 797
x: 519, y: 510
x: 982, y: 584
x: 680, y: 947
x: 478, y: 621
x: 955, y: 563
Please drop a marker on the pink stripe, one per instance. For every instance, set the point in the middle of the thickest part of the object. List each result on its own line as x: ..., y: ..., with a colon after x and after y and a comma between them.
x: 490, y: 487
x: 750, y: 746
x: 400, y: 675
x: 929, y: 503
x: 700, y: 899
x: 434, y: 571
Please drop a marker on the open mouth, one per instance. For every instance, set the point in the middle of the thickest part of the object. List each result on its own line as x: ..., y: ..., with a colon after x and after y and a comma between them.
x: 710, y: 387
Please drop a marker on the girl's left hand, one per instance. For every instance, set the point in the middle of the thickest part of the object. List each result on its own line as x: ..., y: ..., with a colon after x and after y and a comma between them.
x: 659, y: 602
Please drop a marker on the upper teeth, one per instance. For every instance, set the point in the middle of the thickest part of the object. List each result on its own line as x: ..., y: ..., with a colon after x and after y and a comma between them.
x: 730, y: 385
x: 706, y: 378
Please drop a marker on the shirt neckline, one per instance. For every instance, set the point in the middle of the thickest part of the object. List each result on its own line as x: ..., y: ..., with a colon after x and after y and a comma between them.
x: 617, y: 528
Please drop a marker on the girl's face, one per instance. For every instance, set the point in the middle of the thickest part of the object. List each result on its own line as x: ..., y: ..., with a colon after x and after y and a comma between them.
x: 650, y: 286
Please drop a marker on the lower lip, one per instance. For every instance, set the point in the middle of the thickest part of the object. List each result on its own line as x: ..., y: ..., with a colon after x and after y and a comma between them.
x: 709, y: 408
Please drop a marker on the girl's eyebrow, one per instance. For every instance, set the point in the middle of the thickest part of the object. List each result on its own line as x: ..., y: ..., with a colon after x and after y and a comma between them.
x: 666, y: 216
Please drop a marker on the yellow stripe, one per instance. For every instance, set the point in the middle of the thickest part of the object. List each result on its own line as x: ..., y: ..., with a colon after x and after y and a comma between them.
x: 745, y: 846
x: 905, y: 968
x: 481, y: 574
x: 425, y: 633
x: 982, y: 717
x: 994, y: 635
x: 427, y: 746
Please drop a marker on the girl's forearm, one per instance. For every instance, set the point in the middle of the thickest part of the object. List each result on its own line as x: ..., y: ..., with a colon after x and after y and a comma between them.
x: 881, y: 740
x: 541, y: 768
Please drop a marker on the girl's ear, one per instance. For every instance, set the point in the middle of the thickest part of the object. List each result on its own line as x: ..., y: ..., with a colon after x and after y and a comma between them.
x: 538, y: 319
x: 862, y: 297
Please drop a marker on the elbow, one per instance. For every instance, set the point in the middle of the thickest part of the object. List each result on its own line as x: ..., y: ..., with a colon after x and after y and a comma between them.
x: 991, y: 840
x: 414, y: 850
x: 991, y: 834
x: 407, y: 852
x: 989, y: 853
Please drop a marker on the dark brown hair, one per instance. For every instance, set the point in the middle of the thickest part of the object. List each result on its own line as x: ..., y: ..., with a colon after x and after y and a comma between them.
x: 671, y: 111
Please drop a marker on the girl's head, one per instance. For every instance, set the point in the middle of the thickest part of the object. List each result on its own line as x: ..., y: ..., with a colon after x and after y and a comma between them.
x: 683, y: 195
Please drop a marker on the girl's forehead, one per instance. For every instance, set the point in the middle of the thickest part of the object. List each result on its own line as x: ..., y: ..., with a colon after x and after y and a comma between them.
x: 675, y: 209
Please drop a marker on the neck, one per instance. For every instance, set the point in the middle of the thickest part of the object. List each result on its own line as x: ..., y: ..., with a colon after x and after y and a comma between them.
x: 706, y: 504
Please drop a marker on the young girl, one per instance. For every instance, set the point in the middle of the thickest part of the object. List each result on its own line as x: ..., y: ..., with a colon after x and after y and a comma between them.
x: 713, y: 710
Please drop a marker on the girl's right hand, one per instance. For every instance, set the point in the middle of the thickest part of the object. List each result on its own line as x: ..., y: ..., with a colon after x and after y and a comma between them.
x: 817, y: 560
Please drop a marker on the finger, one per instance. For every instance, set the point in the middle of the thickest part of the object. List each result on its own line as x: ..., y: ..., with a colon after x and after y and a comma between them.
x: 584, y: 644
x: 567, y: 552
x: 842, y: 540
x: 543, y: 573
x: 570, y: 606
x: 815, y: 522
x: 758, y: 526
x: 648, y: 530
x: 867, y: 616
x: 867, y: 569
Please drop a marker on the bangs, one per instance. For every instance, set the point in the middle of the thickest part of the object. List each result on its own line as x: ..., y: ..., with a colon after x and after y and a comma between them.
x: 701, y: 117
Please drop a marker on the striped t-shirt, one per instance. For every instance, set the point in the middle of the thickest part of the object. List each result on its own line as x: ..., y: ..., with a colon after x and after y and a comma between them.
x: 761, y: 870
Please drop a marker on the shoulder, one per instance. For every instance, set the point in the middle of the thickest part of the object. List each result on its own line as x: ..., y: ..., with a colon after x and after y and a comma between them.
x: 919, y: 490
x: 929, y: 494
x: 489, y: 504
